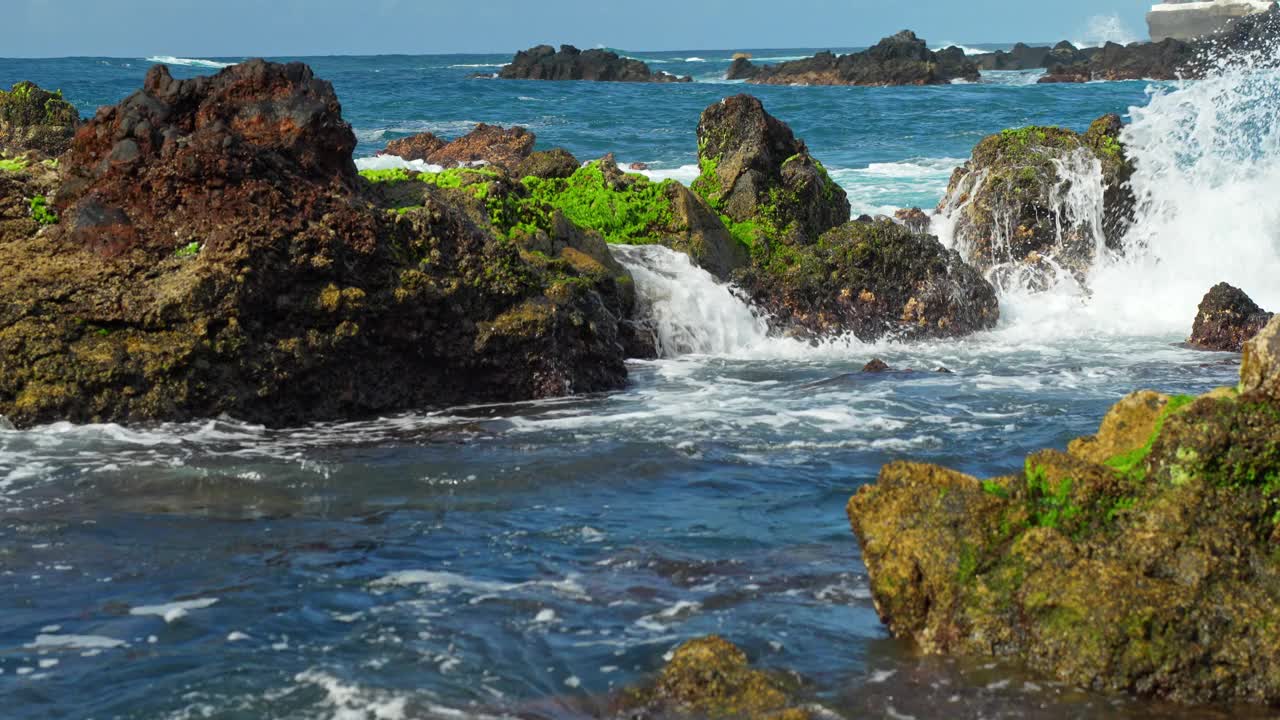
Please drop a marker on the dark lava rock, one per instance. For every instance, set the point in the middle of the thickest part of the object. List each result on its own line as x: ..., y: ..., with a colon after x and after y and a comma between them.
x: 1006, y: 201
x: 1142, y: 559
x: 915, y: 219
x: 874, y: 280
x: 546, y: 164
x: 741, y: 68
x: 756, y: 172
x: 1076, y: 73
x: 711, y: 678
x: 902, y: 59
x: 1021, y: 57
x: 569, y: 63
x: 35, y: 119
x: 1227, y: 319
x: 491, y: 144
x: 218, y: 253
x: 876, y: 366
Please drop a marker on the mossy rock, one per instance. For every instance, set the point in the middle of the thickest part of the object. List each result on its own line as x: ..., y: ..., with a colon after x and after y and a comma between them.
x: 1007, y: 203
x: 711, y: 678
x: 1143, y: 560
x: 32, y: 118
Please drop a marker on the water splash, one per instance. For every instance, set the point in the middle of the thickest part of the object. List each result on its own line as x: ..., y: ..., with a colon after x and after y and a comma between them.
x: 1102, y: 29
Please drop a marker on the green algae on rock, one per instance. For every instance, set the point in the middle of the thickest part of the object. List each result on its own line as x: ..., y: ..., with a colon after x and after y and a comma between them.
x: 711, y: 678
x: 32, y: 118
x: 1007, y: 203
x: 1143, y: 559
x: 873, y: 279
x: 303, y: 299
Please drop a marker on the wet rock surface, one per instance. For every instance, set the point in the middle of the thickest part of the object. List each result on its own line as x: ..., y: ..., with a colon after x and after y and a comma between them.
x: 1226, y: 320
x: 1140, y: 560
x: 902, y: 59
x: 216, y: 252
x: 874, y: 280
x: 569, y: 63
x: 1008, y: 203
x: 711, y: 678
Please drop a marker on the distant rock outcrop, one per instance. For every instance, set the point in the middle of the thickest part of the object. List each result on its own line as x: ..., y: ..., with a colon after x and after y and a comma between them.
x: 569, y: 63
x: 1226, y: 320
x: 1025, y: 57
x: 902, y: 59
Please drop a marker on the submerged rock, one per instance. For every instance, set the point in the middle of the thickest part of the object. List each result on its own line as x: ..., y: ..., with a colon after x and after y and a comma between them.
x: 1040, y: 199
x: 711, y: 678
x: 218, y: 253
x: 1143, y: 559
x: 874, y: 280
x: 569, y: 63
x: 759, y: 175
x: 1227, y: 318
x: 902, y: 59
x: 32, y: 118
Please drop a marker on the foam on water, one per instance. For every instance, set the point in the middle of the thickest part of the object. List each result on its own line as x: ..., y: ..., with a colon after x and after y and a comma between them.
x: 1102, y: 29
x: 188, y: 62
x: 393, y: 162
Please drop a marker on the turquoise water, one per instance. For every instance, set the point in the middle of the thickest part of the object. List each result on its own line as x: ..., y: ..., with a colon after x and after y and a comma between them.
x: 528, y: 559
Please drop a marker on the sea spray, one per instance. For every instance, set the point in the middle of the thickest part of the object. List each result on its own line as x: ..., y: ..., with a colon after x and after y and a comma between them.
x: 690, y: 312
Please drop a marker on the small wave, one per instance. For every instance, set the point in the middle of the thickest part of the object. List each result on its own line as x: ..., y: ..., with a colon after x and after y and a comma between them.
x: 188, y: 62
x: 967, y: 50
x: 478, y: 65
x: 393, y: 162
x: 685, y: 174
x: 695, y: 59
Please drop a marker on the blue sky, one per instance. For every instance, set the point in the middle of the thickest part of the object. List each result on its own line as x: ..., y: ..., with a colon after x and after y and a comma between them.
x: 189, y: 28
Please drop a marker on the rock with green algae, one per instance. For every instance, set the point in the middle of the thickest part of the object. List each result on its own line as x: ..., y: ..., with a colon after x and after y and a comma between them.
x: 1144, y: 559
x: 711, y: 678
x: 32, y: 118
x: 872, y: 279
x: 1012, y: 206
x: 239, y: 265
x: 29, y: 181
x: 758, y: 175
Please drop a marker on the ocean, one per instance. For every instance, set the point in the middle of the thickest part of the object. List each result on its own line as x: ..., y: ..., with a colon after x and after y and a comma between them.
x: 527, y: 560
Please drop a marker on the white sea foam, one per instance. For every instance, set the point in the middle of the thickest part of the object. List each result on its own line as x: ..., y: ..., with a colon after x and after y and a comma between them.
x: 1102, y: 29
x: 393, y: 162
x: 174, y: 611
x: 685, y: 174
x: 74, y: 642
x: 349, y: 701
x: 967, y: 50
x: 188, y: 62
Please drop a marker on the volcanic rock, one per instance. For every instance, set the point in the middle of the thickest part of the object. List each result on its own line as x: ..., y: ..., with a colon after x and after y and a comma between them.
x: 35, y: 119
x: 490, y: 144
x: 569, y: 63
x: 874, y: 280
x: 1141, y: 560
x: 1007, y: 203
x: 902, y: 59
x: 1226, y: 320
x: 755, y: 171
x: 218, y: 253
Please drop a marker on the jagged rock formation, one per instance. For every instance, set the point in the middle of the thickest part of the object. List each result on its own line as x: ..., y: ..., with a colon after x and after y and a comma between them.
x: 1025, y: 57
x: 1193, y: 19
x: 1142, y: 559
x: 217, y: 253
x: 1226, y: 320
x: 569, y: 63
x: 902, y: 59
x: 1007, y: 203
x: 35, y: 119
x: 490, y: 144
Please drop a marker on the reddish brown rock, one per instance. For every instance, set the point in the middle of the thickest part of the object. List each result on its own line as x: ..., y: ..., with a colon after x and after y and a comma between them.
x: 487, y: 144
x: 415, y: 147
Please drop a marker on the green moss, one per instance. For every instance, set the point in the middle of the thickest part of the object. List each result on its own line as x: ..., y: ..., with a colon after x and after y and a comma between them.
x: 12, y: 164
x: 41, y: 212
x: 634, y: 213
x: 993, y: 487
x: 1131, y: 464
x: 391, y: 176
x: 1050, y: 502
x: 27, y: 104
x: 191, y: 249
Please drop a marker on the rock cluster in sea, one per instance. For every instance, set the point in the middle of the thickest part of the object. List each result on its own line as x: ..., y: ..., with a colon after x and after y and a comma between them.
x: 902, y: 59
x: 1226, y: 319
x: 569, y: 63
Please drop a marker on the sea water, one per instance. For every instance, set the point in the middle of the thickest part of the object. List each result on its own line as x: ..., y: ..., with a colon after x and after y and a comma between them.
x: 528, y: 559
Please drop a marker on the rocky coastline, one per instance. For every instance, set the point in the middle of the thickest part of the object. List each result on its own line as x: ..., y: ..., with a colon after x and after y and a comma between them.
x: 902, y: 59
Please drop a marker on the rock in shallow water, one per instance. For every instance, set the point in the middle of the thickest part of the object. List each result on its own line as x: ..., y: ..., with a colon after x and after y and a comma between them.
x: 1143, y: 559
x: 569, y: 63
x: 1226, y: 319
x: 219, y: 254
x: 901, y: 59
